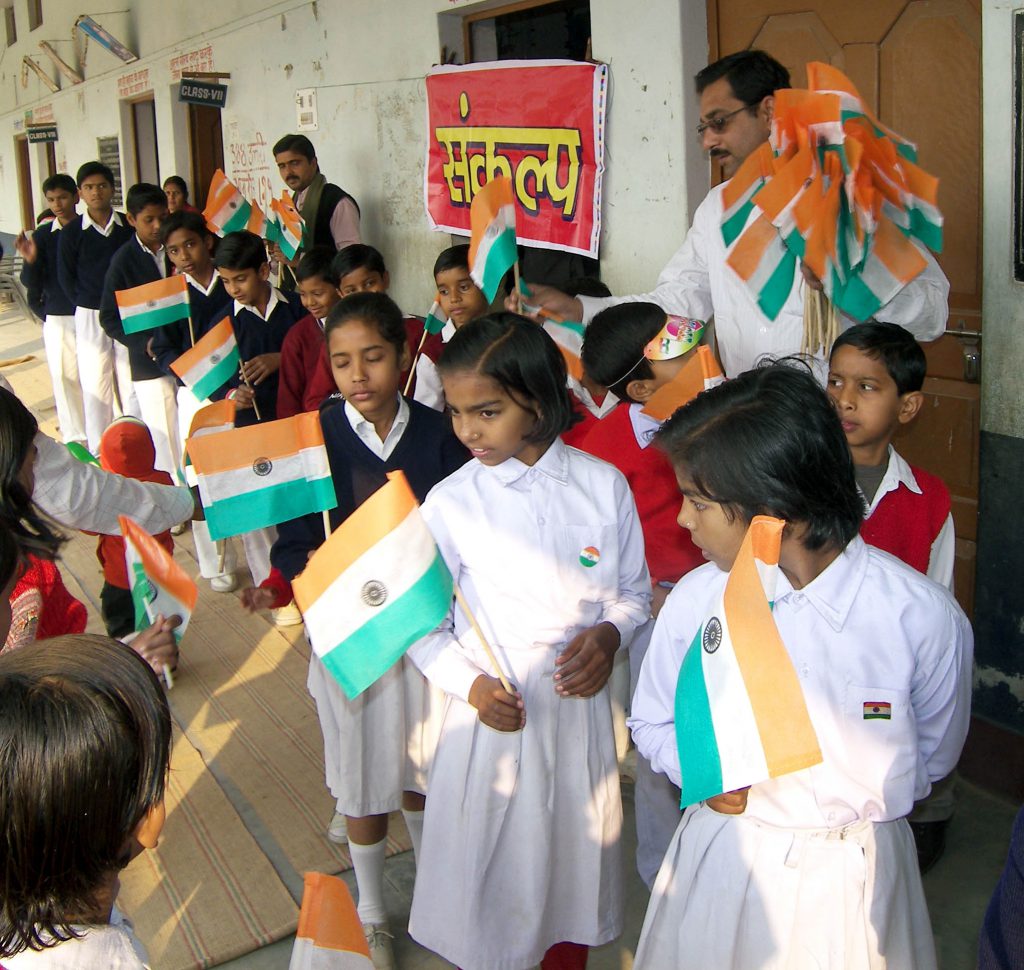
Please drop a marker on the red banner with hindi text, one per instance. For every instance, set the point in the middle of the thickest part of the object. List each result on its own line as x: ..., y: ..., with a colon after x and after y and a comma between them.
x: 540, y: 124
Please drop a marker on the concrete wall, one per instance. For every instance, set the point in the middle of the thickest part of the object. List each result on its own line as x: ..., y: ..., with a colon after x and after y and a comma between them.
x: 999, y: 605
x: 366, y: 61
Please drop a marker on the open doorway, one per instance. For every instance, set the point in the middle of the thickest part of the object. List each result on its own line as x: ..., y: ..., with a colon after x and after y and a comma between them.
x: 206, y: 140
x: 25, y: 193
x: 147, y: 161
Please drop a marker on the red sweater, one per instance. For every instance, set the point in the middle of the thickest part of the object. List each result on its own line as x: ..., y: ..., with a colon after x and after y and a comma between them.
x: 670, y: 551
x: 578, y: 433
x: 905, y: 524
x: 304, y: 378
x: 61, y: 612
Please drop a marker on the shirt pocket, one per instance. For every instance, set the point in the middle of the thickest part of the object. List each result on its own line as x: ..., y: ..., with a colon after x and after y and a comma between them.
x: 880, y: 735
x: 588, y: 561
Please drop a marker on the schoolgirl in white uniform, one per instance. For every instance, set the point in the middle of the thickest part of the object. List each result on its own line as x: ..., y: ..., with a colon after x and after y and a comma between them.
x: 815, y: 868
x: 521, y: 862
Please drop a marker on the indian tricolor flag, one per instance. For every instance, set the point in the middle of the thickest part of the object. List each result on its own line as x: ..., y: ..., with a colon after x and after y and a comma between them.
x: 740, y: 714
x: 257, y: 221
x: 216, y: 417
x: 288, y: 234
x: 226, y: 208
x: 700, y: 373
x: 264, y: 474
x: 568, y: 335
x: 435, y: 319
x: 492, y: 246
x: 153, y: 304
x: 211, y: 362
x: 373, y: 588
x: 330, y: 936
x: 158, y: 584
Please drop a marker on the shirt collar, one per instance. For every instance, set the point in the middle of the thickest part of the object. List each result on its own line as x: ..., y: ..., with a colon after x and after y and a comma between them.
x: 275, y: 298
x: 159, y: 254
x: 832, y: 593
x: 554, y: 463
x: 644, y: 426
x: 587, y: 399
x: 205, y: 290
x: 448, y: 331
x: 55, y: 225
x: 361, y: 425
x: 897, y: 473
x: 115, y: 220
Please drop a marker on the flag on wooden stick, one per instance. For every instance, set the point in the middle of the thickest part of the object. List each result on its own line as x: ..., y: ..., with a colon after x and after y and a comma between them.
x: 211, y: 362
x: 330, y: 935
x: 152, y: 305
x: 492, y: 247
x: 227, y: 210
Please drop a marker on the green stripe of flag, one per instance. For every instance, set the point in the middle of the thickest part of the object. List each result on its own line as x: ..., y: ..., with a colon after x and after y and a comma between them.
x: 268, y: 506
x: 154, y: 318
x: 695, y: 730
x: 733, y: 226
x: 776, y: 290
x: 370, y: 651
x: 218, y: 375
x: 500, y: 258
x: 239, y: 219
x: 928, y: 232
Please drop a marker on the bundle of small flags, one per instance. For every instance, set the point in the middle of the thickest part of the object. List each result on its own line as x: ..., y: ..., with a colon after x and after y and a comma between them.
x: 837, y: 190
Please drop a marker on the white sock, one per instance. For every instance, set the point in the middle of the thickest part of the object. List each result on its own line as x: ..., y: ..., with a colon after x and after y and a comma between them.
x: 368, y: 862
x: 414, y: 823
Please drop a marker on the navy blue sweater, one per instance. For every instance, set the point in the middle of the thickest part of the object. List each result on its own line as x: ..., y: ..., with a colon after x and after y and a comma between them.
x: 83, y: 258
x: 130, y: 267
x: 45, y: 297
x: 256, y: 336
x: 427, y: 452
x: 172, y: 340
x: 1001, y: 946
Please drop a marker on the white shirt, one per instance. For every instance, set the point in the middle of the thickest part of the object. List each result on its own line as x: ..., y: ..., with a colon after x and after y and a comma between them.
x: 644, y: 426
x: 367, y: 434
x: 275, y: 298
x: 157, y: 257
x: 205, y: 290
x: 114, y: 220
x: 868, y: 628
x: 587, y: 399
x: 943, y: 554
x: 111, y: 947
x: 697, y: 283
x: 512, y: 536
x: 428, y: 388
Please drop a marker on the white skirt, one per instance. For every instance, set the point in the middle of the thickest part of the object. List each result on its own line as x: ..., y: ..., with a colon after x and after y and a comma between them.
x: 381, y: 744
x: 521, y: 838
x: 736, y: 894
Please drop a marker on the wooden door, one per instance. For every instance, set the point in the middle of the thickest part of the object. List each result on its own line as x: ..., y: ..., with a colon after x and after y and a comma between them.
x: 206, y: 140
x: 918, y: 64
x: 24, y: 167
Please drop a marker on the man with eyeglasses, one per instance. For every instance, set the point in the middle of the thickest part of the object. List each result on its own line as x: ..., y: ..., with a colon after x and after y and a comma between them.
x: 736, y: 105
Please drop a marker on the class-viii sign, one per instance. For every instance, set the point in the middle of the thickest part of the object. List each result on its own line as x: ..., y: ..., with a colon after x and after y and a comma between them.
x: 202, y: 92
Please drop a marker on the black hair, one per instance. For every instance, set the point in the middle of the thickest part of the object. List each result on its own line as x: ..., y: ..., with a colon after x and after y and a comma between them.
x: 85, y: 742
x: 374, y: 308
x: 183, y: 219
x: 179, y: 182
x: 240, y: 250
x: 613, y: 345
x: 142, y: 194
x: 586, y: 286
x: 523, y: 359
x: 357, y: 256
x: 93, y: 168
x: 295, y: 143
x: 32, y: 530
x: 61, y: 181
x: 752, y: 75
x: 769, y: 442
x: 318, y: 261
x: 454, y: 257
x: 895, y: 347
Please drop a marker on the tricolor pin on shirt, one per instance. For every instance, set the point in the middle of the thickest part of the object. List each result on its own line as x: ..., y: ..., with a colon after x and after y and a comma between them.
x: 877, y: 711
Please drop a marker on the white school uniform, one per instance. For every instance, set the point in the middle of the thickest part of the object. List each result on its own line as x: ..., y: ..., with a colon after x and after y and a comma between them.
x: 521, y: 834
x: 820, y: 870
x: 380, y: 744
x: 428, y: 389
x: 113, y: 946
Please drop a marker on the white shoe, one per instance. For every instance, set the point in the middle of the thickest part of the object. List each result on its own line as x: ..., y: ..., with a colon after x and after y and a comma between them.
x: 224, y: 583
x: 179, y: 529
x: 337, y: 831
x: 378, y: 939
x: 287, y: 615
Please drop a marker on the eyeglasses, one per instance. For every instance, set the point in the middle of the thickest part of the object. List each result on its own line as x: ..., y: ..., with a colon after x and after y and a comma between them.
x: 717, y: 125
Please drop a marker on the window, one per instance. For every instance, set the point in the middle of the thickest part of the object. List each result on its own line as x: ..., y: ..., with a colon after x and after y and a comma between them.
x: 530, y: 30
x: 12, y: 27
x: 35, y: 14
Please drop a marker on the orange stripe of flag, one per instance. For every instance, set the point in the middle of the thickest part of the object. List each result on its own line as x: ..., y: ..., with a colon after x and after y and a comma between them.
x: 214, y: 415
x: 775, y: 696
x: 757, y: 166
x: 896, y: 252
x: 239, y: 447
x: 920, y: 183
x: 684, y: 387
x: 786, y: 185
x: 824, y: 77
x: 329, y: 917
x: 486, y: 205
x: 215, y: 337
x: 380, y: 514
x: 157, y: 290
x: 160, y: 567
x: 750, y: 248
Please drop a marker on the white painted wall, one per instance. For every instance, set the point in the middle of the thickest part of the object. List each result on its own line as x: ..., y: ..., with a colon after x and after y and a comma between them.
x: 367, y: 59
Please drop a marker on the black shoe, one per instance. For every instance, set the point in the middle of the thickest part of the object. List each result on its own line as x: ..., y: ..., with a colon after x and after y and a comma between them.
x: 930, y: 839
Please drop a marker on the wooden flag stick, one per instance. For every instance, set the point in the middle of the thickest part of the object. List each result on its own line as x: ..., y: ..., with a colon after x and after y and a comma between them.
x: 415, y: 361
x: 222, y: 551
x: 191, y: 331
x: 483, y: 640
x: 248, y: 384
x: 327, y: 525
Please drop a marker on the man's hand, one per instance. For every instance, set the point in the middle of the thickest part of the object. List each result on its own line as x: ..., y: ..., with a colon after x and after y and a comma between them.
x: 730, y: 802
x: 26, y: 247
x: 257, y: 598
x: 257, y: 370
x: 495, y: 706
x: 558, y: 304
x: 156, y: 644
x: 586, y: 663
x: 244, y: 396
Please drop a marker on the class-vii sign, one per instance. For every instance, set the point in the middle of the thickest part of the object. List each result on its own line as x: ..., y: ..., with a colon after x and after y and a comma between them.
x: 38, y: 133
x: 202, y: 92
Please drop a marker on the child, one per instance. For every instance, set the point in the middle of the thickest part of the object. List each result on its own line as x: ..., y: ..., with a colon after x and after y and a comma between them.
x: 305, y: 375
x: 86, y: 732
x: 816, y: 867
x: 628, y: 349
x: 520, y: 860
x: 143, y: 260
x: 39, y: 275
x: 876, y: 372
x: 376, y: 745
x: 360, y: 269
x: 87, y: 245
x: 461, y: 301
x: 189, y: 245
x: 126, y: 448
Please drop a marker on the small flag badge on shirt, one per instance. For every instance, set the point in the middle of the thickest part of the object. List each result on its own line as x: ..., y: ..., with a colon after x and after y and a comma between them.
x: 590, y: 557
x: 877, y: 711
